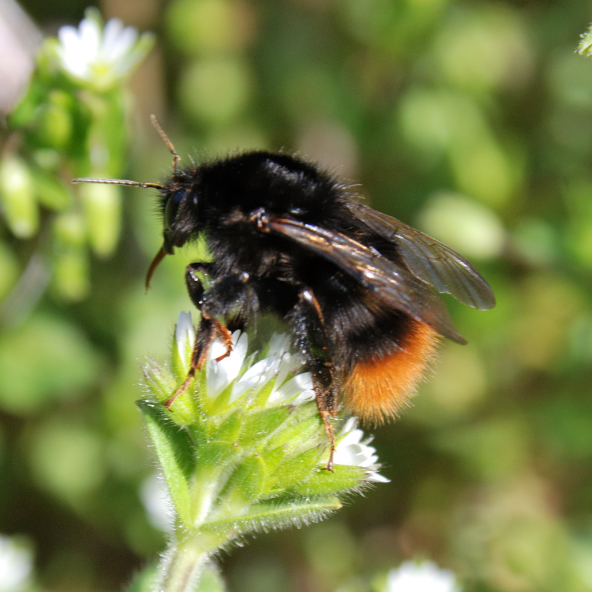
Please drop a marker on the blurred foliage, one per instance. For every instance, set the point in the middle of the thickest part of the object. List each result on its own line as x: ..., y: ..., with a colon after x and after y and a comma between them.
x: 471, y: 120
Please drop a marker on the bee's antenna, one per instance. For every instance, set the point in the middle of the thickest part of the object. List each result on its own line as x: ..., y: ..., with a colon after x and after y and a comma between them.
x: 168, y: 143
x: 118, y: 182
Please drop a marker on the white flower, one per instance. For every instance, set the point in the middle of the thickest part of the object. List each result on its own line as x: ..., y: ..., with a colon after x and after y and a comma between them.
x: 278, y: 364
x: 421, y: 577
x: 352, y: 446
x: 16, y: 565
x: 352, y: 449
x: 221, y: 374
x: 100, y: 56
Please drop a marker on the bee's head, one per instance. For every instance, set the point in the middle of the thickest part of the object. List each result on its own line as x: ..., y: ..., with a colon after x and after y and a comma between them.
x: 179, y: 201
x: 179, y: 204
x: 179, y: 214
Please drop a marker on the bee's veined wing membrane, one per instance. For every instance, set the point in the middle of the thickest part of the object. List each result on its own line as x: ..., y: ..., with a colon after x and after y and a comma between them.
x: 390, y: 282
x: 428, y: 259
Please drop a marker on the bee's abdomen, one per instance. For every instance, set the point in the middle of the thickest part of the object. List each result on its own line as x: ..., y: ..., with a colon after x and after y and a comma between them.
x: 379, y: 386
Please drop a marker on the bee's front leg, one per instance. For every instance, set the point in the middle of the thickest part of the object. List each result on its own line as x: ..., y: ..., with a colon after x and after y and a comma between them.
x: 211, y: 303
x: 210, y: 327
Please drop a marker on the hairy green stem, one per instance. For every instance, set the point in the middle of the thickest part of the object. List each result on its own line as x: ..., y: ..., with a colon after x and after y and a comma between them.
x: 183, y: 563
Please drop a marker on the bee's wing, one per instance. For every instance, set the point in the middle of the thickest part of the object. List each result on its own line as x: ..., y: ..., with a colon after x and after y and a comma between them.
x: 429, y: 260
x: 391, y: 283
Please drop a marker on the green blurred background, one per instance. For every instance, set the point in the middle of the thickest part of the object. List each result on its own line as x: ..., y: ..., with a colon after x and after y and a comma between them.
x: 470, y: 120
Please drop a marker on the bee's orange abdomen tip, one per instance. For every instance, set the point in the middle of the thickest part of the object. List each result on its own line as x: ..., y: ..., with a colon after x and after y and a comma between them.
x: 379, y: 388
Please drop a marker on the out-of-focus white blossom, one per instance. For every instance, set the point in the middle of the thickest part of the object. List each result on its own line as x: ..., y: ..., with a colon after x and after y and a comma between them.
x: 101, y: 56
x: 421, y: 577
x: 157, y: 501
x: 16, y: 565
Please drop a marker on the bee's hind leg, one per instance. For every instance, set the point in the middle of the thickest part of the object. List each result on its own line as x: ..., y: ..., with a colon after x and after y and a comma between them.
x: 325, y: 382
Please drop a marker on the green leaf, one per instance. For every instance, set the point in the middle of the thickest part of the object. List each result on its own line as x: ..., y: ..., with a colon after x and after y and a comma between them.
x: 175, y: 451
x: 274, y: 514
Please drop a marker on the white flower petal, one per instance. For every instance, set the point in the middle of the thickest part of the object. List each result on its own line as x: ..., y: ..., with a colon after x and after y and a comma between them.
x: 353, y: 450
x: 350, y: 425
x: 184, y: 336
x: 118, y: 40
x: 376, y: 478
x: 90, y: 38
x: 256, y: 376
x: 299, y: 387
x: 280, y: 344
x: 219, y: 375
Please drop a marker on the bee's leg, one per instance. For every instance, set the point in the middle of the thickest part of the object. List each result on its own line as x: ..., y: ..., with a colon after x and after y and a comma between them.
x: 204, y: 337
x: 210, y: 305
x: 326, y: 384
x: 212, y: 328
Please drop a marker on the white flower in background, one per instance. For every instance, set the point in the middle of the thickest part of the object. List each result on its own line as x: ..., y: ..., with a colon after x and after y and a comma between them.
x: 101, y: 57
x: 421, y: 577
x: 16, y: 565
x: 352, y: 449
x: 157, y: 501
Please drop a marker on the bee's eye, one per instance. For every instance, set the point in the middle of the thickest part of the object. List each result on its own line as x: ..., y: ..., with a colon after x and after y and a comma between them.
x: 172, y: 207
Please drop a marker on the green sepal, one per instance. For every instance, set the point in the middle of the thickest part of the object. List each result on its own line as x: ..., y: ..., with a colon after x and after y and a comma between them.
x: 160, y: 384
x: 175, y: 450
x: 230, y: 428
x: 258, y: 426
x: 273, y: 457
x: 71, y: 273
x: 180, y: 362
x: 215, y: 453
x: 322, y: 482
x: 264, y: 393
x: 221, y: 403
x: 17, y: 198
x: 249, y: 477
x: 185, y: 407
x: 297, y: 469
x: 102, y: 212
x: 302, y: 430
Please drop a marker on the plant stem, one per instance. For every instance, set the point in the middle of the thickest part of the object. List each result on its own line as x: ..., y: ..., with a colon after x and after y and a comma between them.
x: 181, y: 566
